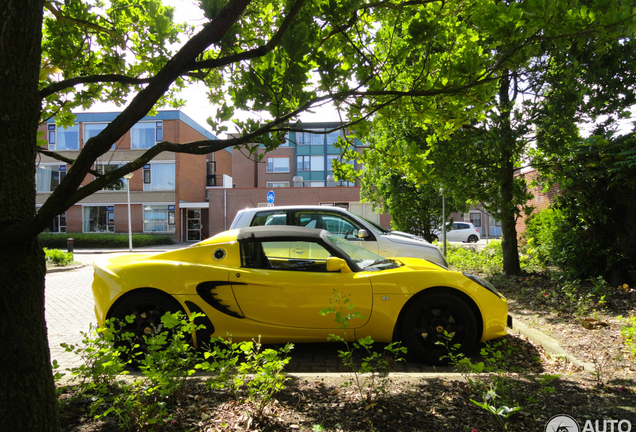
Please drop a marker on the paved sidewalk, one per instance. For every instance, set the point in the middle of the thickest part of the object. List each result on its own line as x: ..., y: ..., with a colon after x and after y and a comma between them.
x: 69, y: 311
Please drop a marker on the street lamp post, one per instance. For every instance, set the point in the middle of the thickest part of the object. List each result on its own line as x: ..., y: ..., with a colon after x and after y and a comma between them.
x: 443, y: 221
x: 128, y: 177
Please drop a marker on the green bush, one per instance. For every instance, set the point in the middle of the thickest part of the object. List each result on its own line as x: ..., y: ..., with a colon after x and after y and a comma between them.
x: 487, y: 261
x: 539, y: 237
x: 100, y: 240
x: 58, y: 257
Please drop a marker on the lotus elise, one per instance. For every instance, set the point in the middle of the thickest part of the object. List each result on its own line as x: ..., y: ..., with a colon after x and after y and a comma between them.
x: 273, y: 281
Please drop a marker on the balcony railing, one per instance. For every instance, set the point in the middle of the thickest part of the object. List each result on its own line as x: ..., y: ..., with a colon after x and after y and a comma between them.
x: 215, y: 180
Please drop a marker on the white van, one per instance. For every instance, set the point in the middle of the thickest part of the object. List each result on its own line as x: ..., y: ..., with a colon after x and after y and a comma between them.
x: 343, y: 224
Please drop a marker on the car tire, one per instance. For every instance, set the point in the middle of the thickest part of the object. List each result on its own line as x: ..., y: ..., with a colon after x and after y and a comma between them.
x: 148, y: 308
x: 425, y: 321
x: 472, y: 239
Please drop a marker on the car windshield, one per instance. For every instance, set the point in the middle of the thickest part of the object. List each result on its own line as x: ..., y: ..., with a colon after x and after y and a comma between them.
x: 365, y: 259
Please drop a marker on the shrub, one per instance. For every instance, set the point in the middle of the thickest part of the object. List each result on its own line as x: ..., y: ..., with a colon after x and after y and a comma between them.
x: 99, y: 240
x: 539, y: 237
x: 58, y: 257
x: 487, y: 261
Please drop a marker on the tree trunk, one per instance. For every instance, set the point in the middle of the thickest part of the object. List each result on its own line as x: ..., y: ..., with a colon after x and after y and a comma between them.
x: 509, y: 246
x: 27, y: 397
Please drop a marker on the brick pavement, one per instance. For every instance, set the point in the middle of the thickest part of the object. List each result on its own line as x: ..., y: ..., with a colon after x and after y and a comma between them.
x: 69, y: 311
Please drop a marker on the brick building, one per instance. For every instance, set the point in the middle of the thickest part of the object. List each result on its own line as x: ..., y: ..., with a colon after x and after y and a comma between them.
x: 191, y: 197
x: 163, y: 194
x: 298, y: 172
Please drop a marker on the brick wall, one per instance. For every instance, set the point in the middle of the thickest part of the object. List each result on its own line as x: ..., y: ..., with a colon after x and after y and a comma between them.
x: 540, y: 201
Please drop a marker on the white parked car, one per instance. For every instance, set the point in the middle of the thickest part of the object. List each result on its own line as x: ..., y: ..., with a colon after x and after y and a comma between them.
x: 344, y: 224
x: 460, y: 232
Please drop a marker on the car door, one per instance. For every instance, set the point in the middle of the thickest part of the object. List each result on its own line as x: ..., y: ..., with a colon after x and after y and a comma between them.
x: 289, y: 285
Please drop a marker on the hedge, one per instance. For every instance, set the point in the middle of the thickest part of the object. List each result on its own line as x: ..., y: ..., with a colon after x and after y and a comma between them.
x: 100, y: 240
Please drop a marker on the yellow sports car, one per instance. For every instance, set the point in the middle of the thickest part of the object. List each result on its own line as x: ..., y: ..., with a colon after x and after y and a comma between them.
x: 273, y: 281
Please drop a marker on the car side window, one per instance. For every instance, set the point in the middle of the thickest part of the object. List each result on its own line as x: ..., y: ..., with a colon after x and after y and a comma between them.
x: 285, y: 255
x: 336, y: 224
x: 272, y: 217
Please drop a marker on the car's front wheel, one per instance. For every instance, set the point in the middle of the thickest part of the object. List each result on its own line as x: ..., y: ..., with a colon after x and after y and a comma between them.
x: 146, y: 308
x: 429, y: 318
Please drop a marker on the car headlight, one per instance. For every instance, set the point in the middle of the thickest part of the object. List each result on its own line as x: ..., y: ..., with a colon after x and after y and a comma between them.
x: 484, y: 283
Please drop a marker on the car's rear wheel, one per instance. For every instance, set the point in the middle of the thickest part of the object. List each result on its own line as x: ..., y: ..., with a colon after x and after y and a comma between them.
x: 472, y: 239
x: 431, y: 316
x: 147, y: 309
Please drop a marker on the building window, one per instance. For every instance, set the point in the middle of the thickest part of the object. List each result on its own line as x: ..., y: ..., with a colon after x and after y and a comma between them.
x: 279, y: 164
x: 159, y: 176
x: 159, y: 218
x: 99, y: 219
x: 93, y: 129
x: 475, y: 219
x: 332, y: 137
x: 58, y: 224
x: 63, y: 138
x: 146, y: 134
x: 303, y: 163
x: 117, y: 185
x: 317, y: 163
x: 278, y: 184
x: 48, y: 177
x: 316, y: 184
x: 307, y: 138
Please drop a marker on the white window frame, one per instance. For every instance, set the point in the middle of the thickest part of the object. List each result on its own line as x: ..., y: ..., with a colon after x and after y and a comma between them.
x: 274, y: 169
x: 148, y: 186
x: 169, y: 225
x: 53, y: 138
x: 61, y: 168
x: 157, y: 127
x: 275, y: 184
x: 107, y: 226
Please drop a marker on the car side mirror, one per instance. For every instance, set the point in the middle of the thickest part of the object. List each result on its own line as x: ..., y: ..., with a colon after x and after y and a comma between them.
x: 334, y: 264
x: 363, y: 234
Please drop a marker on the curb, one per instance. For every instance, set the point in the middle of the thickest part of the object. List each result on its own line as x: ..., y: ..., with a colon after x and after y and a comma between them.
x: 549, y: 344
x: 64, y: 269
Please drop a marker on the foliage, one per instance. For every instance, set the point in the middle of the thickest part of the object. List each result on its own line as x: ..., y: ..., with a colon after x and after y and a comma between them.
x: 628, y: 331
x: 58, y: 257
x: 99, y: 240
x: 539, y: 236
x: 594, y: 234
x: 141, y: 403
x: 415, y: 207
x: 169, y: 357
x: 103, y: 363
x: 238, y: 365
x: 366, y: 375
x: 491, y: 386
x: 471, y: 259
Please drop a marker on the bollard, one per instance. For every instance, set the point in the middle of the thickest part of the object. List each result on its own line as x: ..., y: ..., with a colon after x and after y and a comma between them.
x: 69, y: 246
